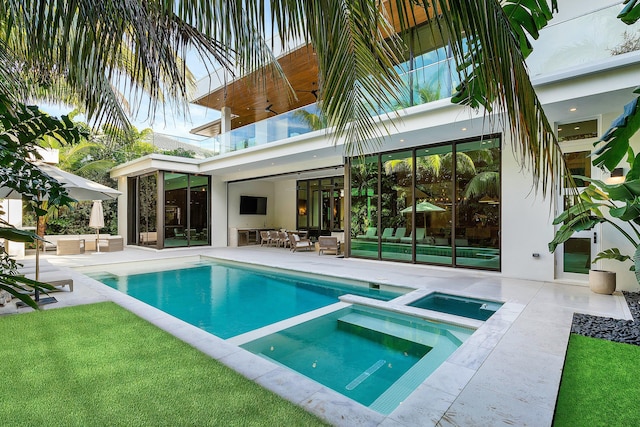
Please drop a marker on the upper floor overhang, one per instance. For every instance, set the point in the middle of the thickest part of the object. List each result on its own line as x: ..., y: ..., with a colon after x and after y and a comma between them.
x: 258, y: 96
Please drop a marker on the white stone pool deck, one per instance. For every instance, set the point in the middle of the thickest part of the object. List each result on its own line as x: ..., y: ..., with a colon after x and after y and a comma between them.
x: 507, y: 373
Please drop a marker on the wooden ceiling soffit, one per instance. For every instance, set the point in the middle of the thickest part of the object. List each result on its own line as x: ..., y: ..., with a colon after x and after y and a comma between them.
x: 259, y: 96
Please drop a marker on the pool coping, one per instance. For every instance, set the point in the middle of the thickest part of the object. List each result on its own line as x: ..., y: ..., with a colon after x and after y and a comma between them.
x: 516, y: 382
x: 434, y: 395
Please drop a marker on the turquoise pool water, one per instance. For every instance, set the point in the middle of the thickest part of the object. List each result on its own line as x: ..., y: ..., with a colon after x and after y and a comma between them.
x: 372, y: 356
x: 461, y: 306
x: 226, y: 299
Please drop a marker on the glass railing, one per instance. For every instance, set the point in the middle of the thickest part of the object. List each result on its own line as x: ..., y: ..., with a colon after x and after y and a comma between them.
x: 426, y: 84
x: 580, y: 40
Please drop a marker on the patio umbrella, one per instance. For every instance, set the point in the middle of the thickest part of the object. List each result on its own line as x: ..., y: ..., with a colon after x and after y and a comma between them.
x: 77, y: 187
x: 423, y: 207
x: 96, y: 220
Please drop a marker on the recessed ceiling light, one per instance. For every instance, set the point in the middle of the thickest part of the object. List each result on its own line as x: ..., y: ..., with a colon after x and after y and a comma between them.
x: 272, y: 163
x: 572, y: 109
x: 576, y: 128
x: 314, y: 156
x: 463, y: 129
x: 402, y: 140
x: 559, y: 129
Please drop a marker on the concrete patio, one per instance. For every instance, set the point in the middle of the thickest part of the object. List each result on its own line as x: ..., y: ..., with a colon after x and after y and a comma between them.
x: 508, y: 372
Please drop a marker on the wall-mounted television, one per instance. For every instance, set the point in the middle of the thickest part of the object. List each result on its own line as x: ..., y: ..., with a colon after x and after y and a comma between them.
x: 251, y: 205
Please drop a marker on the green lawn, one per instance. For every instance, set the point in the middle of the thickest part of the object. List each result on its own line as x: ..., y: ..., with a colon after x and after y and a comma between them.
x: 600, y: 385
x: 101, y: 365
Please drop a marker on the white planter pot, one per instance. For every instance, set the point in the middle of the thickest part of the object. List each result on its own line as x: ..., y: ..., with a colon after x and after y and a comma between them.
x: 602, y: 282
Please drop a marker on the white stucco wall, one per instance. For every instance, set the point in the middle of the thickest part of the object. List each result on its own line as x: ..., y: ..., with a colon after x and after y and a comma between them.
x: 218, y: 212
x: 526, y: 222
x: 252, y: 188
x: 285, y: 198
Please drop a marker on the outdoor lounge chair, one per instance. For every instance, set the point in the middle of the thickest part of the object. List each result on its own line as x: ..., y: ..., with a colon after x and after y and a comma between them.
x: 54, y: 278
x: 328, y: 243
x: 419, y: 236
x: 399, y: 234
x: 370, y: 234
x: 299, y: 243
x: 386, y: 233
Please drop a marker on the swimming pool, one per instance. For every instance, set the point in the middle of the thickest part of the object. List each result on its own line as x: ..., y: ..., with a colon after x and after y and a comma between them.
x: 473, y: 308
x: 372, y: 356
x: 228, y: 299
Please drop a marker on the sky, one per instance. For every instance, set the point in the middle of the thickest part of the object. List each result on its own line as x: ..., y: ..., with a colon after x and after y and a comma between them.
x: 168, y: 124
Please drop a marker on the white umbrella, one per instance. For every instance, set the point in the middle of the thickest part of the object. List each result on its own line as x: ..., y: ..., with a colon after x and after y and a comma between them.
x: 77, y: 187
x: 96, y: 220
x: 423, y: 207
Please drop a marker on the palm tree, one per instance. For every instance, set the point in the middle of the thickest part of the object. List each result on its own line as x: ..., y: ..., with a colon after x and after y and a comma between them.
x: 96, y: 46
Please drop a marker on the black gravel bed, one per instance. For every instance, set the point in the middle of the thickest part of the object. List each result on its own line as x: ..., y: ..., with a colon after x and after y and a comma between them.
x: 624, y: 331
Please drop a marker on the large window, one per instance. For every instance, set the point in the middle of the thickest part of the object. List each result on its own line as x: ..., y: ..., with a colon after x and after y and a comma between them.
x: 364, y: 207
x: 320, y: 204
x: 186, y: 210
x: 436, y: 205
x: 171, y: 210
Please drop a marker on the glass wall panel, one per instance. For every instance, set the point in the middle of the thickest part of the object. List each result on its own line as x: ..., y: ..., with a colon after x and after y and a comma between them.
x: 396, y: 198
x: 198, y: 211
x: 338, y: 204
x: 314, y: 210
x: 434, y: 210
x: 323, y: 212
x: 477, y: 202
x: 175, y: 209
x: 577, y: 255
x: 303, y: 204
x: 451, y: 216
x: 148, y: 210
x: 364, y: 207
x: 327, y: 212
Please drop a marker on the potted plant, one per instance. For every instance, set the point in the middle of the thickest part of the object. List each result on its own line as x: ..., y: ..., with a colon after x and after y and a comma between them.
x: 620, y: 200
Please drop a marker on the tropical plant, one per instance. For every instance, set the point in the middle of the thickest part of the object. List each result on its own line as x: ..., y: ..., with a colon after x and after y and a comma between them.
x: 615, y: 204
x: 21, y: 129
x: 95, y: 47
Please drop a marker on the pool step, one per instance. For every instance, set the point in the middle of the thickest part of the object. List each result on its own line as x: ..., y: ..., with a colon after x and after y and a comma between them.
x: 407, y: 332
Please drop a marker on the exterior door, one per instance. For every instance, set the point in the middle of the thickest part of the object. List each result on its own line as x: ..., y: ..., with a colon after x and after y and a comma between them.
x: 574, y: 258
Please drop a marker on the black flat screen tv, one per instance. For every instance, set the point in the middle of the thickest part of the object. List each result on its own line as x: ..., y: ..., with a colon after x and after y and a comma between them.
x: 251, y: 205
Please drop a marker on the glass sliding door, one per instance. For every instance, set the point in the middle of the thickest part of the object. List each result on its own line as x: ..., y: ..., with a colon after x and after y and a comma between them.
x: 198, y: 233
x: 439, y: 204
x: 434, y: 209
x: 303, y: 204
x: 148, y: 210
x: 175, y: 209
x: 337, y: 208
x: 364, y: 207
x: 477, y: 201
x: 171, y: 210
x: 396, y: 198
x: 320, y: 206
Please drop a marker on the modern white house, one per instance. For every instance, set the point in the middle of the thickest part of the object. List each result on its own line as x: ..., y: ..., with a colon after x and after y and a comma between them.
x: 406, y: 200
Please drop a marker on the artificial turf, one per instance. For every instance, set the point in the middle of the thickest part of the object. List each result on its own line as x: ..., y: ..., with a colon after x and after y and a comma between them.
x: 99, y: 364
x: 599, y: 384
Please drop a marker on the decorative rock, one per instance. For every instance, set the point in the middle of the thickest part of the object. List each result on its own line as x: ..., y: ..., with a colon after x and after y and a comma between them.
x: 618, y: 330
